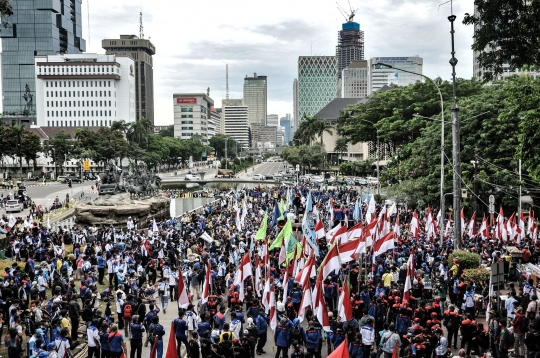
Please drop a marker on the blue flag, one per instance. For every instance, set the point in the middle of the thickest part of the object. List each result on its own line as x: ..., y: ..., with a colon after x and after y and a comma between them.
x: 277, y: 214
x: 306, y: 230
x: 309, y: 203
x: 357, y: 214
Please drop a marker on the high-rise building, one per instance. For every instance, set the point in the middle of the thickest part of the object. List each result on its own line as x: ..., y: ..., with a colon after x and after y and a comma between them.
x: 383, y: 76
x: 191, y: 115
x: 234, y: 116
x: 317, y: 84
x: 272, y: 120
x: 285, y: 122
x: 255, y: 97
x: 355, y: 80
x: 295, y: 121
x: 36, y: 28
x: 263, y: 136
x: 84, y: 90
x: 350, y: 45
x: 214, y: 123
x: 280, y: 136
x: 141, y: 51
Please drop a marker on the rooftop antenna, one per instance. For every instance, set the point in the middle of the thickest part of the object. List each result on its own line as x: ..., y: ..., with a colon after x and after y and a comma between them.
x: 227, y: 81
x: 141, y: 30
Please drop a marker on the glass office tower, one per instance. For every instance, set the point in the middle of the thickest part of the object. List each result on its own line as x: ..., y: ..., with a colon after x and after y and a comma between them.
x: 37, y: 27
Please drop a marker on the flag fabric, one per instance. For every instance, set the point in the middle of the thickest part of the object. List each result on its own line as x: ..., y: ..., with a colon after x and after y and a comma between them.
x: 244, y: 271
x: 409, y: 278
x: 347, y: 250
x: 429, y: 224
x: 154, y: 348
x: 276, y: 215
x: 395, y: 352
x: 415, y: 225
x: 261, y: 233
x: 284, y: 234
x: 340, y: 236
x: 155, y: 227
x: 319, y: 230
x: 463, y: 227
x: 206, y: 284
x: 183, y: 298
x: 370, y: 208
x: 472, y: 225
x: 500, y: 232
x: 484, y: 229
x: 258, y: 273
x: 49, y: 222
x: 530, y: 222
x: 266, y: 295
x: 309, y: 234
x: 357, y: 213
x: 510, y: 227
x: 307, y: 299
x: 273, y: 310
x: 330, y: 262
x: 319, y: 306
x: 345, y: 309
x: 330, y: 234
x: 355, y: 231
x: 521, y: 227
x: 397, y: 228
x: 171, y: 347
x: 207, y: 237
x: 238, y: 223
x: 384, y: 244
x: 12, y: 221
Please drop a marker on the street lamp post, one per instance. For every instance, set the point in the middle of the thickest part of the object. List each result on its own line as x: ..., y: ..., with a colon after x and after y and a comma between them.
x: 378, y: 178
x: 442, y: 204
x: 226, y: 160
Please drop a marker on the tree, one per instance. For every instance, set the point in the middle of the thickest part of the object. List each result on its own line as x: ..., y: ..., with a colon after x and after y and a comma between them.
x: 17, y: 133
x: 59, y: 148
x: 120, y: 125
x: 5, y: 12
x: 320, y: 127
x: 506, y: 32
x: 31, y: 145
x: 341, y: 146
x: 167, y: 132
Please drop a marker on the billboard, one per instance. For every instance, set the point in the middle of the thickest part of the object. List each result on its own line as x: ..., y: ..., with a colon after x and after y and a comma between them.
x: 86, y: 165
x: 183, y: 100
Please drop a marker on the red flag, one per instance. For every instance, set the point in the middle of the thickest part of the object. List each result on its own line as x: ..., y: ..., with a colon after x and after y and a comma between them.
x: 345, y: 309
x: 244, y: 271
x: 171, y: 347
x: 206, y: 285
x: 409, y: 279
x: 319, y: 230
x: 384, y: 244
x: 415, y: 225
x: 330, y: 262
x: 183, y: 299
x: 154, y: 349
x: 342, y: 351
x: 395, y: 353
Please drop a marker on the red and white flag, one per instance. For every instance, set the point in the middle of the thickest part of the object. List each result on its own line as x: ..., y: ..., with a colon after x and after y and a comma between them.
x: 397, y: 228
x: 319, y: 306
x: 319, y: 230
x: 244, y: 271
x: 345, y: 309
x: 448, y: 228
x: 307, y: 271
x: 183, y: 298
x: 484, y: 229
x: 521, y: 227
x: 330, y: 234
x: 206, y: 284
x: 330, y: 262
x: 511, y: 227
x: 472, y: 226
x: 273, y: 310
x: 307, y: 299
x: 463, y: 227
x: 501, y: 233
x: 266, y: 294
x: 340, y: 236
x: 355, y: 231
x: 415, y: 225
x: 409, y: 278
x: 258, y: 274
x: 530, y: 222
x: 384, y: 244
x: 429, y: 224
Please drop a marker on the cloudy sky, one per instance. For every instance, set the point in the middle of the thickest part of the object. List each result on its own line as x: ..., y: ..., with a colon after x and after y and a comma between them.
x: 195, y: 39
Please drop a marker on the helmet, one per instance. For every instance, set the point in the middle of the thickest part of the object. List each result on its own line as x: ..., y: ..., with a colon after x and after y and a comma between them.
x: 434, y: 314
x: 417, y: 320
x: 437, y: 299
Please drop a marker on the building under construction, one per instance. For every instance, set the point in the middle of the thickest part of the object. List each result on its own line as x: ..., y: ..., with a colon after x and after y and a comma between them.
x: 350, y: 45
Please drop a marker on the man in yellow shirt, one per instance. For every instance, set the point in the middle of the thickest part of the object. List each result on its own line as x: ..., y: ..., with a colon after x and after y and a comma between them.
x: 387, y: 279
x: 455, y: 267
x: 65, y: 323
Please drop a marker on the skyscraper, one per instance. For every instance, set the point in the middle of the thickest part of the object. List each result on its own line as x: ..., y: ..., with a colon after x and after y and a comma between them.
x: 355, y: 80
x: 272, y: 120
x: 255, y: 97
x: 296, y: 114
x: 285, y: 122
x: 317, y: 84
x: 36, y: 28
x: 234, y: 117
x: 141, y: 51
x: 350, y: 45
x: 383, y: 76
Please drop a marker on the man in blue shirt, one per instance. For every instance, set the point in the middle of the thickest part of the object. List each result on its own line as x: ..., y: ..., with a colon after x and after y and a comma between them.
x: 136, y: 337
x: 262, y: 327
x: 180, y: 330
x: 101, y: 268
x: 159, y: 332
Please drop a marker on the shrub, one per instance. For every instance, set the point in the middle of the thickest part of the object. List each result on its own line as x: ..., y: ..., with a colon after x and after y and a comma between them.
x: 476, y: 275
x: 467, y: 260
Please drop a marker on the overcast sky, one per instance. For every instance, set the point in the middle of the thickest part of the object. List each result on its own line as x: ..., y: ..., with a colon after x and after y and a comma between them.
x: 195, y: 39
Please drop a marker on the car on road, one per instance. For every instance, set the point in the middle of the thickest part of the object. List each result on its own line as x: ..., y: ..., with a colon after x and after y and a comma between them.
x: 191, y: 177
x: 73, y: 179
x: 277, y: 177
x: 61, y: 178
x: 14, y: 206
x: 360, y: 181
x: 22, y: 190
x: 258, y: 177
x: 317, y: 179
x: 225, y: 173
x: 269, y: 176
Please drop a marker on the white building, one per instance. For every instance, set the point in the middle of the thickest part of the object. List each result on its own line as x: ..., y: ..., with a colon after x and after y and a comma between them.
x: 191, y: 115
x: 272, y: 120
x: 80, y: 90
x: 234, y: 116
x: 383, y: 76
x: 355, y: 80
x: 214, y: 123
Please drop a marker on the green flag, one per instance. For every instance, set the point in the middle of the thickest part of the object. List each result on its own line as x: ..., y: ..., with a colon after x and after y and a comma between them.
x: 282, y: 210
x: 261, y: 233
x: 290, y: 255
x: 285, y: 232
x: 291, y: 244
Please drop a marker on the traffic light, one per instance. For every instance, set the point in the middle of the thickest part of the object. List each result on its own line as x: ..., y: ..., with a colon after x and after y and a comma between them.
x: 69, y: 183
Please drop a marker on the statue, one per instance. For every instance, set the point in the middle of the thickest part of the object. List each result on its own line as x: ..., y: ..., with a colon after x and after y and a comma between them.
x: 29, y: 98
x: 141, y: 182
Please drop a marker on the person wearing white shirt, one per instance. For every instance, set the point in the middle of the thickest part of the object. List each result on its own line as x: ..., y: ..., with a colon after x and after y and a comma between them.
x: 368, y: 336
x: 163, y: 289
x: 173, y: 278
x: 92, y: 334
x: 509, y: 305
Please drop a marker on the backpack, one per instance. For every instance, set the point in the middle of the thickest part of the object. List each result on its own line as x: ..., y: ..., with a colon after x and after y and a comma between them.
x: 296, y: 334
x: 13, y: 347
x: 152, y: 333
x: 127, y: 311
x: 453, y: 323
x: 510, y: 339
x: 524, y: 324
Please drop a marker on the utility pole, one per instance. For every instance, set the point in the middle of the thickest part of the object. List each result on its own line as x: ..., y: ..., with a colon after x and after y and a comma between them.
x: 475, y: 199
x: 456, y: 156
x: 519, y: 202
x: 226, y: 160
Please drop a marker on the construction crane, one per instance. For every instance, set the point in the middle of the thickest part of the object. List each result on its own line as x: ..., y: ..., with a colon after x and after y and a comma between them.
x: 349, y: 16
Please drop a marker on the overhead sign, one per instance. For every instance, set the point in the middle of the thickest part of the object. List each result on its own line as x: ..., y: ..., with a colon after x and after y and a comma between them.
x: 86, y: 165
x: 190, y: 100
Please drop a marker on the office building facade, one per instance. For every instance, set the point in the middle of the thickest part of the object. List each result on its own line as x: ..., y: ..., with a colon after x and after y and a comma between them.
x: 272, y: 120
x: 350, y: 45
x: 214, y: 124
x: 383, y: 76
x: 317, y: 84
x: 295, y: 120
x: 355, y: 80
x: 255, y: 97
x: 36, y: 28
x: 263, y: 136
x: 84, y: 90
x: 141, y: 51
x: 285, y: 122
x: 191, y: 115
x: 234, y: 116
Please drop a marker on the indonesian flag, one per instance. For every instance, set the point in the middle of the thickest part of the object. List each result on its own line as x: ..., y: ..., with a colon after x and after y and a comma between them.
x: 366, y: 241
x: 347, y: 250
x: 340, y: 236
x: 273, y: 311
x: 384, y: 244
x: 472, y: 225
x: 206, y: 285
x: 429, y: 223
x: 448, y: 228
x: 355, y: 231
x: 511, y: 227
x: 409, y: 279
x: 307, y: 299
x: 415, y: 228
x: 285, y: 284
x: 439, y: 216
x: 330, y: 262
x: 530, y: 222
x: 463, y: 227
x: 257, y: 276
x: 534, y: 234
x: 244, y: 271
x: 307, y: 271
x: 341, y: 352
x: 484, y: 229
x: 345, y: 309
x: 319, y: 306
x: 264, y: 254
x: 283, y: 252
x: 330, y: 234
x: 501, y: 228
x: 521, y: 227
x: 382, y: 221
x: 266, y: 295
x: 331, y: 209
x: 319, y: 230
x: 183, y: 299
x: 397, y: 228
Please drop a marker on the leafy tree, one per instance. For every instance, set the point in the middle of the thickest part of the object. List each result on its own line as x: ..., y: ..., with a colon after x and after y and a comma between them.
x: 167, y: 132
x: 60, y: 148
x: 320, y: 127
x: 506, y: 32
x: 31, y: 146
x: 341, y: 146
x: 5, y: 12
x: 120, y: 125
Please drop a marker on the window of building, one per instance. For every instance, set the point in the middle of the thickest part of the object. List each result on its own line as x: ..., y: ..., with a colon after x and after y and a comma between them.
x: 47, y: 113
x: 187, y: 116
x: 187, y: 109
x: 187, y: 122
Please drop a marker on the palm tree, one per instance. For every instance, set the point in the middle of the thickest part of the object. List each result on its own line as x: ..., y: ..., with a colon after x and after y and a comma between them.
x: 120, y: 125
x: 320, y: 127
x: 307, y: 128
x: 341, y: 147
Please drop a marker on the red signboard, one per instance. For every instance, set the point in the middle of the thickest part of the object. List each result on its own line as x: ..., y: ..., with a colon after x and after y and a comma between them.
x: 186, y: 101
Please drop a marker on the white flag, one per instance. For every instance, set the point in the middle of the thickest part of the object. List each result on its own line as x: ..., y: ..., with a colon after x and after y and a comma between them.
x: 207, y: 237
x: 12, y: 221
x: 154, y: 227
